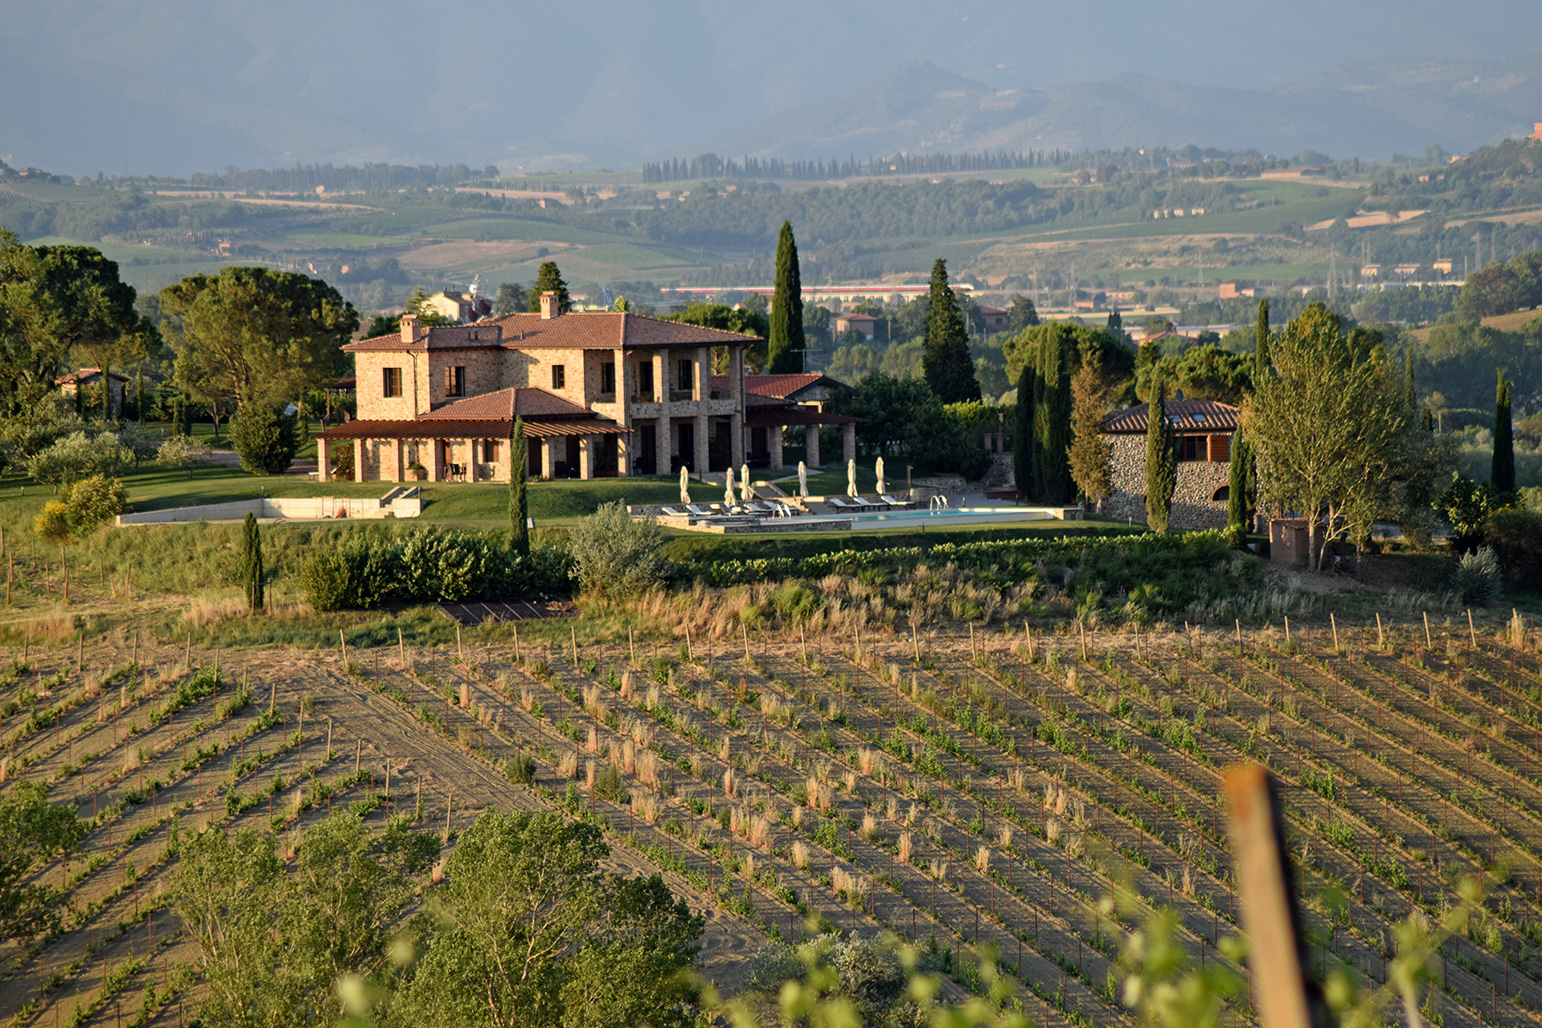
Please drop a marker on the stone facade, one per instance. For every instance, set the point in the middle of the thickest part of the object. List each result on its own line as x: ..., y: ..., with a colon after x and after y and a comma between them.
x: 1199, y: 500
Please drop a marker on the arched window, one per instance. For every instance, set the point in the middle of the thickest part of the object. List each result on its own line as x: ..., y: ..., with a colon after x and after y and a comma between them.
x: 1221, y: 495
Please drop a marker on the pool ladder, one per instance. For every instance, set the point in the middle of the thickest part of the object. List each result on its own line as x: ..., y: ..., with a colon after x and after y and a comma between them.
x: 936, y: 504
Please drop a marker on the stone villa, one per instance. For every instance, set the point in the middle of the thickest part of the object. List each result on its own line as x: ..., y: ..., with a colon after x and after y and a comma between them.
x: 601, y: 393
x: 1204, y: 429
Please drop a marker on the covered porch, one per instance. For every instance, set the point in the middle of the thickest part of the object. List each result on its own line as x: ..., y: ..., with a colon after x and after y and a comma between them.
x: 765, y: 435
x: 443, y: 450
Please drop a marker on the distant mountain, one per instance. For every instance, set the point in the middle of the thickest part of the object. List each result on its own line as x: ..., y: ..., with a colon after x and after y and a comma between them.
x: 1368, y: 109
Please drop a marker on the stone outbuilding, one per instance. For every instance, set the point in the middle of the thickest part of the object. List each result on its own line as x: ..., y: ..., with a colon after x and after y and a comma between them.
x: 1204, y: 429
x: 89, y: 380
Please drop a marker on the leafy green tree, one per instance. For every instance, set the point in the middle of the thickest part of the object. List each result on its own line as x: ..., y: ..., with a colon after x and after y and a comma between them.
x: 79, y: 455
x: 258, y: 336
x: 35, y: 832
x: 510, y: 300
x: 531, y: 931
x: 1161, y: 462
x: 1241, y: 484
x: 519, y: 504
x: 264, y: 439
x: 1089, y: 455
x: 1022, y: 436
x: 55, y: 300
x: 1021, y: 313
x: 744, y: 320
x: 275, y: 943
x: 784, y: 344
x: 383, y: 325
x: 548, y: 279
x: 92, y: 501
x: 1502, y: 473
x: 1334, y: 455
x: 949, y: 368
x: 615, y: 554
x: 251, y: 562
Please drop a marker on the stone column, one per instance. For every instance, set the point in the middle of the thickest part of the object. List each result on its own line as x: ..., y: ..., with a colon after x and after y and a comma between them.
x: 548, y: 458
x: 701, y: 389
x: 699, y: 462
x: 397, y: 446
x: 848, y: 443
x: 358, y: 460
x: 586, y: 457
x: 323, y: 449
x: 471, y: 460
x: 435, y: 461
x: 624, y: 454
x: 811, y: 445
x: 663, y: 445
x: 736, y: 389
x: 774, y: 437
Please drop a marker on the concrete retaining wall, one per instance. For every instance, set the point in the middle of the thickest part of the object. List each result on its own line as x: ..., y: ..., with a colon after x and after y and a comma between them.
x: 398, y: 503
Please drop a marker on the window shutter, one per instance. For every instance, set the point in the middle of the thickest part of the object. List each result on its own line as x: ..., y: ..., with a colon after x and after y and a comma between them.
x: 1220, y: 448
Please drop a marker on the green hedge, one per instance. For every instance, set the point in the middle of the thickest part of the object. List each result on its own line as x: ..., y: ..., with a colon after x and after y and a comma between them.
x: 429, y: 567
x: 1121, y: 562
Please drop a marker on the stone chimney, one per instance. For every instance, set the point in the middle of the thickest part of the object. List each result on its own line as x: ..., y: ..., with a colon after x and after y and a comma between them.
x: 549, y: 308
x: 409, y: 328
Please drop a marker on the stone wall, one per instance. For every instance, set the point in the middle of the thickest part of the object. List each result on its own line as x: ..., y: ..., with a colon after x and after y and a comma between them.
x: 1192, y: 506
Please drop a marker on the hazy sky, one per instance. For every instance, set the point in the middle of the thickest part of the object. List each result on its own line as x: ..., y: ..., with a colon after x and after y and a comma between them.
x: 174, y: 85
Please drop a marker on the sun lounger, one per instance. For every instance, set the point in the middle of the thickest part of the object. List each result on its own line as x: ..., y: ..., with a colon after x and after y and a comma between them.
x: 699, y: 511
x: 842, y: 503
x: 893, y: 501
x: 758, y: 507
x: 671, y: 512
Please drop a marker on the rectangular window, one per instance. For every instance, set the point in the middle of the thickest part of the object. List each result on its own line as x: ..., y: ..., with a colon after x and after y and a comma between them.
x: 1191, y: 447
x: 645, y: 379
x: 455, y: 381
x: 489, y: 451
x: 685, y: 375
x: 559, y: 376
x: 608, y: 377
x: 391, y: 381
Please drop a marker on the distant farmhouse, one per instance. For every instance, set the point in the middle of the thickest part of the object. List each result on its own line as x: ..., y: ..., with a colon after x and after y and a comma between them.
x: 601, y: 393
x: 90, y: 379
x: 1204, y: 429
x: 460, y: 308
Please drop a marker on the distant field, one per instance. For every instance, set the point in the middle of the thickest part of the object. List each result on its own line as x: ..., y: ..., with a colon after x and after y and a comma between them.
x: 341, y: 240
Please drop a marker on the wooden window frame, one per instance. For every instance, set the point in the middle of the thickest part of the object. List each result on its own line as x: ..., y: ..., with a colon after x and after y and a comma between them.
x: 391, y: 383
x: 559, y: 376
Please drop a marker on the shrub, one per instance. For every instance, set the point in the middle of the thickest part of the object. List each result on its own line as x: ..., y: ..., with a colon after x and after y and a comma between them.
x: 1476, y: 579
x: 1516, y: 538
x: 342, y: 459
x: 179, y: 451
x: 325, y: 579
x: 53, y: 521
x: 615, y: 554
x: 264, y: 438
x: 521, y: 768
x: 91, y: 501
x: 79, y: 455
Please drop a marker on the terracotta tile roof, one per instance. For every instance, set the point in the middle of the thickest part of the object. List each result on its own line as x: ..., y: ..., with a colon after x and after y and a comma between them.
x: 786, y: 386
x: 1185, y: 416
x: 467, y: 428
x: 507, y: 403
x: 607, y: 330
x: 484, y: 335
x: 87, y: 375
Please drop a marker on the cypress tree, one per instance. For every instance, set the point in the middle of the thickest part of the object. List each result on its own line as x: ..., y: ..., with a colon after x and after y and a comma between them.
x: 251, y: 562
x: 139, y: 404
x: 946, y: 362
x: 784, y: 342
x: 1502, y: 474
x: 1161, y: 461
x: 1022, y: 438
x: 1052, y: 421
x: 1240, y: 483
x: 519, y: 505
x: 1261, y: 352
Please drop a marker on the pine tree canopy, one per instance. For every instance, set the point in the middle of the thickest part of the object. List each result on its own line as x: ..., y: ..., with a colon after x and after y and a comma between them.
x: 549, y: 280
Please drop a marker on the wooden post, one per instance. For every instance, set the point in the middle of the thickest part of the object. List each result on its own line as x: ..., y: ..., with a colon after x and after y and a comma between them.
x: 746, y: 630
x: 272, y: 695
x: 358, y: 754
x: 1380, y: 639
x: 1268, y: 912
x: 573, y: 631
x: 631, y: 644
x: 1471, y: 632
x: 343, y: 644
x: 1427, y: 643
x: 1334, y: 621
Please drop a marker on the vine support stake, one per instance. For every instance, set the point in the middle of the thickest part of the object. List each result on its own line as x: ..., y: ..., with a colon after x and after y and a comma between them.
x: 1472, y: 633
x: 1427, y: 643
x: 1380, y: 639
x: 1334, y: 621
x: 401, y: 648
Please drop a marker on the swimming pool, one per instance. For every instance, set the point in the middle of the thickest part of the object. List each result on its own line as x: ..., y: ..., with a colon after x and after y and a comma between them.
x: 916, y: 520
